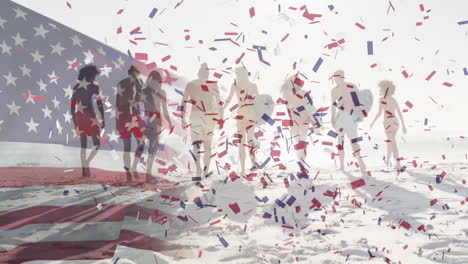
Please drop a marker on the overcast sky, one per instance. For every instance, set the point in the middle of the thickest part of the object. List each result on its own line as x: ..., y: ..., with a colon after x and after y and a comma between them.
x: 408, y: 47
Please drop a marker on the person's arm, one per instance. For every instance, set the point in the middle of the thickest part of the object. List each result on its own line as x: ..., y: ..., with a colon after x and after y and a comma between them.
x: 231, y: 94
x: 333, y: 109
x: 163, y: 102
x: 100, y: 106
x: 118, y: 101
x: 73, y: 108
x: 378, y: 114
x: 218, y: 101
x: 401, y: 117
x: 184, y: 104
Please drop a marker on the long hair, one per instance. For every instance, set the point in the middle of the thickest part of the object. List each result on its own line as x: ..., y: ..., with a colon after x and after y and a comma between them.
x: 88, y: 72
x: 152, y: 88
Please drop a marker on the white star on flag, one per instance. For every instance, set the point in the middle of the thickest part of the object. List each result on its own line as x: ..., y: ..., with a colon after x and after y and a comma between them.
x: 32, y: 126
x: 13, y: 108
x: 10, y: 79
x: 41, y: 31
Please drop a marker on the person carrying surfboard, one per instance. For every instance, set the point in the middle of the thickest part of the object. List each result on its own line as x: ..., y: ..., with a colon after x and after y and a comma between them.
x: 346, y: 112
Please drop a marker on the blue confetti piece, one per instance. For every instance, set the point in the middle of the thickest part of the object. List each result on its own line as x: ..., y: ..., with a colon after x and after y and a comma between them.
x: 212, y: 48
x: 265, y: 199
x: 370, y: 48
x: 291, y: 177
x: 154, y: 180
x: 370, y: 254
x: 306, y: 37
x: 462, y: 22
x: 425, y: 121
x: 465, y: 71
x: 268, y: 119
x: 225, y: 59
x: 379, y: 221
x: 355, y: 99
x: 261, y: 166
x: 331, y: 7
x: 283, y: 220
x: 130, y: 54
x: 332, y: 134
x: 104, y: 187
x: 115, y: 262
x: 266, y: 215
x: 223, y: 39
x: 65, y: 193
x: 291, y: 200
x: 182, y: 204
x: 317, y: 64
x: 264, y: 32
x: 309, y: 98
x: 356, y: 140
x: 403, y: 168
x: 300, y: 108
x: 280, y: 203
x: 179, y: 92
x: 153, y: 12
x: 196, y: 178
x: 76, y: 191
x: 198, y: 202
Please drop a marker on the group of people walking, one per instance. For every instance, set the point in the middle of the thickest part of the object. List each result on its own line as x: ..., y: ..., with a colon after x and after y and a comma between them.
x: 141, y: 106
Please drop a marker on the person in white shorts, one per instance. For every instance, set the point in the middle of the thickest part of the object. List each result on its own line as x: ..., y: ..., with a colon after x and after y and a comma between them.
x: 206, y: 114
x: 344, y: 117
x: 246, y: 92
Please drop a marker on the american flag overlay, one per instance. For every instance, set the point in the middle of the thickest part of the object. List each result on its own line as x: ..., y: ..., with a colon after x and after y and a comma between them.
x: 40, y: 62
x: 285, y: 131
x: 40, y: 59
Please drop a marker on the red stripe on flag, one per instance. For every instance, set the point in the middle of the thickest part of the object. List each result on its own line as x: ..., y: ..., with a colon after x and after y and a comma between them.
x: 82, y: 250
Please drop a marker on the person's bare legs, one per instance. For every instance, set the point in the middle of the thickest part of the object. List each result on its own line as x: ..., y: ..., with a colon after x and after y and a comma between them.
x: 357, y: 152
x: 196, y: 147
x: 341, y: 153
x: 207, y: 153
x: 152, y: 150
x: 126, y: 156
x: 250, y: 140
x: 242, y: 148
x: 392, y: 149
x: 84, y: 162
x: 92, y: 154
x: 136, y: 159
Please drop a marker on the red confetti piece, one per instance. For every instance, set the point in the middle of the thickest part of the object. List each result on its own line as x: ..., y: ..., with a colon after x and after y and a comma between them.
x: 358, y: 183
x: 360, y: 26
x: 252, y: 12
x: 141, y: 56
x: 409, y: 104
x: 285, y: 37
x: 405, y: 74
x: 447, y: 84
x: 166, y: 58
x: 120, y: 11
x: 430, y: 75
x: 69, y: 5
x: 235, y: 208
